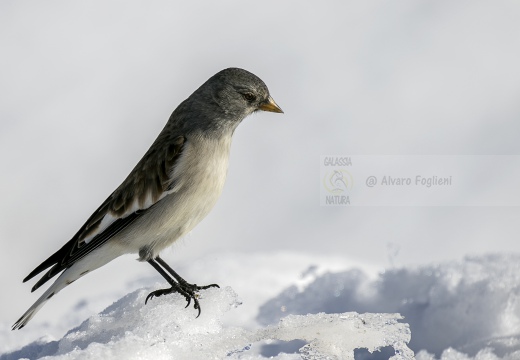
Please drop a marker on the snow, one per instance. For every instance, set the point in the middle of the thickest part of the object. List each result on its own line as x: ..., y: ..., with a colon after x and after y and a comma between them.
x: 467, y: 310
x: 130, y: 330
x: 468, y: 305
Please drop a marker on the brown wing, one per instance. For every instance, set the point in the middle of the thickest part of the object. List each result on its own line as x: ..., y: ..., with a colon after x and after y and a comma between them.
x: 147, y: 184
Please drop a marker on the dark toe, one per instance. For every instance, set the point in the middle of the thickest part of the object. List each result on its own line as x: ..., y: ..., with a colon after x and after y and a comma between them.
x: 207, y: 287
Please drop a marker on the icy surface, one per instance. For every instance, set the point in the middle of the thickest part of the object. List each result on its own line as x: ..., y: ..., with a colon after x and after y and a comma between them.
x: 337, y: 335
x: 163, y: 329
x: 460, y: 310
x: 484, y: 354
x: 469, y: 306
x: 238, y: 270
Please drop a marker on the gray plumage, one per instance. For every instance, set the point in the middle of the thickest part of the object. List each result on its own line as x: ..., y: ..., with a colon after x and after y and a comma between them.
x: 170, y: 190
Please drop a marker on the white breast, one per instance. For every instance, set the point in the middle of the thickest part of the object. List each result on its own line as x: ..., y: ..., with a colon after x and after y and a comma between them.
x: 199, y: 178
x: 201, y: 175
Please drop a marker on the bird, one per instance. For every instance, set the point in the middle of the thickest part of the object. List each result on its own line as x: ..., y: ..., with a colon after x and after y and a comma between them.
x: 170, y: 190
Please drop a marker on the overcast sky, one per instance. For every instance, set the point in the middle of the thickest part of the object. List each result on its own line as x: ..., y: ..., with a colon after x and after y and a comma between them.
x: 86, y: 87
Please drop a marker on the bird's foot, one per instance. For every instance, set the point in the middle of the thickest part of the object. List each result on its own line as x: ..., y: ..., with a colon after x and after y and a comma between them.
x: 189, y: 291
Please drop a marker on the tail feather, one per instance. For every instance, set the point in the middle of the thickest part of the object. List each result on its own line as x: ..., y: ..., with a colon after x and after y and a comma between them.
x: 92, y: 261
x: 29, y: 314
x: 53, y: 260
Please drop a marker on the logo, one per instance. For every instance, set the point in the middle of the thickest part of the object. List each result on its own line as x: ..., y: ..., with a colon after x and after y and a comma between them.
x: 338, y: 181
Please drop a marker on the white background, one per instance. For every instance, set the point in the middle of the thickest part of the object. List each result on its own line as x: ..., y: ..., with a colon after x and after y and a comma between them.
x: 86, y: 87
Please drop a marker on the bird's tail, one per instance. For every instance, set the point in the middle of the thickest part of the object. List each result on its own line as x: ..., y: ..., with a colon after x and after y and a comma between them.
x: 95, y: 259
x: 59, y: 284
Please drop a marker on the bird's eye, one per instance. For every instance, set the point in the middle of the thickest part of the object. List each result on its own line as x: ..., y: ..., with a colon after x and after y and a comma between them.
x: 249, y: 97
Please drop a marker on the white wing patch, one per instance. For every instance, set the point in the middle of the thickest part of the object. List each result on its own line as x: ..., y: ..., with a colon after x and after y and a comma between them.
x: 107, y: 220
x: 110, y: 218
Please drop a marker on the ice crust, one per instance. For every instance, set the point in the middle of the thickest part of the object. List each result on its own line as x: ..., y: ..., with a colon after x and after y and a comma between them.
x: 164, y: 329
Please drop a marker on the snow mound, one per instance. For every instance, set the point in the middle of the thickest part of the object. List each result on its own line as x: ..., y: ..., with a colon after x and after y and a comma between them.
x: 456, y: 308
x: 463, y: 310
x: 337, y: 335
x: 452, y: 354
x: 164, y: 329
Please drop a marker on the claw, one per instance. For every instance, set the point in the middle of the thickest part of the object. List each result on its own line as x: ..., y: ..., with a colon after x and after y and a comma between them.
x: 196, y: 306
x: 158, y: 293
x: 188, y: 290
x: 149, y: 297
x: 207, y: 287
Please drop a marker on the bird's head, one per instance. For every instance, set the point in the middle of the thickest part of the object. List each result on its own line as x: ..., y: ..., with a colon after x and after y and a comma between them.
x: 232, y: 94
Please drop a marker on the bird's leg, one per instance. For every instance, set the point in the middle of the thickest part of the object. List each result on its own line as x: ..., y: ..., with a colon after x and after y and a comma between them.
x: 182, y: 286
x: 184, y: 283
x: 175, y: 286
x: 186, y: 287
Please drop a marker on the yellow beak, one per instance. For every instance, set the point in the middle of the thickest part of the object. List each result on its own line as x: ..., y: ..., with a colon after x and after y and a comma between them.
x: 270, y: 105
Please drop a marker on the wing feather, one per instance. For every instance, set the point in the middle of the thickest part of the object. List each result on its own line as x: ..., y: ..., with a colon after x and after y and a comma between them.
x: 149, y: 182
